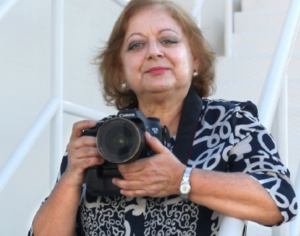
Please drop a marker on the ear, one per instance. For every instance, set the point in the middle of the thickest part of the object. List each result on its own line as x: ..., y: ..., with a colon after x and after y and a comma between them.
x: 195, y: 64
x: 121, y: 75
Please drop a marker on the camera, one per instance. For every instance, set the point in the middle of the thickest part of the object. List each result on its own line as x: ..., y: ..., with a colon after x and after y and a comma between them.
x: 120, y: 139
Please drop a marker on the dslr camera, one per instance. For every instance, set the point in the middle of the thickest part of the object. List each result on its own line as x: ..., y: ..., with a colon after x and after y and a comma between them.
x: 120, y: 140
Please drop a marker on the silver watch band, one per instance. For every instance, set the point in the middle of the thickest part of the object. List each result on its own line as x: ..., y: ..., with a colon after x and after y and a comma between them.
x: 185, y: 187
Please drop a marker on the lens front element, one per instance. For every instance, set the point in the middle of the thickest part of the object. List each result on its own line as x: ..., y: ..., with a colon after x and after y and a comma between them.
x: 119, y: 140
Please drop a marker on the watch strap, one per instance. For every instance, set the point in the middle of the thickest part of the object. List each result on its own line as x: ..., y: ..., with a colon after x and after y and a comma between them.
x: 185, y: 187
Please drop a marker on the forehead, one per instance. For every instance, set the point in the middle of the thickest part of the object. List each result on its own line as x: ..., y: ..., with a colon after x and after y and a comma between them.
x: 154, y: 18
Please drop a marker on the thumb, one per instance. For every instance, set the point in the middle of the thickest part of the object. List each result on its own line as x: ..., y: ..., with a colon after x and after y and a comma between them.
x: 155, y: 144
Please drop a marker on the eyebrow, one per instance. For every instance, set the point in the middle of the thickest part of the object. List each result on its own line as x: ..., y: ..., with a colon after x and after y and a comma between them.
x: 160, y: 31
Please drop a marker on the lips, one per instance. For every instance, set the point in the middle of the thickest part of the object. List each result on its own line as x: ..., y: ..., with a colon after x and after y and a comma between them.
x: 157, y: 70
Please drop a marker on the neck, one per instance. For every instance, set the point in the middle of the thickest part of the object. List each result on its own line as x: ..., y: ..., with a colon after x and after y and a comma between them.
x: 168, y: 111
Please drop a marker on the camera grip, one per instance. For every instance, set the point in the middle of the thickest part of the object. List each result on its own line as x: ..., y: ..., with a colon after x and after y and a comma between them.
x: 99, y: 180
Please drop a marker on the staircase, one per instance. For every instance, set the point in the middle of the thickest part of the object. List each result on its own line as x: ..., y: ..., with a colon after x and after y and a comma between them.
x: 25, y: 46
x: 241, y: 77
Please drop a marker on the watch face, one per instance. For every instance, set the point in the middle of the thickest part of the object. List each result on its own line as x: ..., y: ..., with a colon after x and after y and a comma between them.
x: 185, y: 188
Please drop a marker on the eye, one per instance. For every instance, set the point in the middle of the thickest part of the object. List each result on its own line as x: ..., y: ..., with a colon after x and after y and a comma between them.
x: 169, y: 41
x: 135, y: 45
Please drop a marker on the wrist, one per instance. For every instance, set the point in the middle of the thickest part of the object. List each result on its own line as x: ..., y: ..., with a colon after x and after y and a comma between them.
x: 178, y: 179
x: 185, y: 187
x: 68, y: 182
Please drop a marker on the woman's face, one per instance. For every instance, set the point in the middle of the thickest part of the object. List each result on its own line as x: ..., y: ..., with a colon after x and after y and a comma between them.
x: 156, y: 55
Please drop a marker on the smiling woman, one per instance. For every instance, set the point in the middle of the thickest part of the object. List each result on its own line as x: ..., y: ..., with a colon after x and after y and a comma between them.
x: 172, y: 29
x: 219, y: 159
x: 158, y: 64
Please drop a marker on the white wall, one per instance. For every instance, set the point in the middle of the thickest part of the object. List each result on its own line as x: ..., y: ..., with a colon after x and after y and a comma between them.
x: 25, y: 55
x: 213, y: 25
x: 25, y: 50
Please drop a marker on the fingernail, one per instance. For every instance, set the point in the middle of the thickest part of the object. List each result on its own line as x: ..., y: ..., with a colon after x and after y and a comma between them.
x: 148, y: 135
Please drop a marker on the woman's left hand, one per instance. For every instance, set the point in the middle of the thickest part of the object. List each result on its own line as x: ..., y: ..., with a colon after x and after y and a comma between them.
x: 156, y: 176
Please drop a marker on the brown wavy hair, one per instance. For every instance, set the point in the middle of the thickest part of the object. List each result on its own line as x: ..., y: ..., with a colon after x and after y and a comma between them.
x: 110, y: 64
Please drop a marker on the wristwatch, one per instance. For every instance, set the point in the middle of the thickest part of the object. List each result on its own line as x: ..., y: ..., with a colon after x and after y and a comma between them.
x: 185, y: 186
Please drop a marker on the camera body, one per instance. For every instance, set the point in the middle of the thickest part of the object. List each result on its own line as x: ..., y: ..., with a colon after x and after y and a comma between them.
x: 119, y: 140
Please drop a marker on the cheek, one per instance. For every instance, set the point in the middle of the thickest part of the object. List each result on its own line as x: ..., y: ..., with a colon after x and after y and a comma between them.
x: 132, y: 63
x: 185, y: 64
x: 184, y: 56
x: 132, y: 71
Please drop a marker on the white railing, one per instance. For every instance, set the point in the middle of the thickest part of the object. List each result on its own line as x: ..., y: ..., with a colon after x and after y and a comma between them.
x: 275, y: 78
x: 55, y: 107
x: 27, y: 142
x: 228, y: 31
x: 57, y: 37
x: 53, y: 110
x: 231, y: 227
x: 5, y: 7
x: 196, y: 12
x: 122, y: 3
x: 274, y: 95
x: 275, y: 87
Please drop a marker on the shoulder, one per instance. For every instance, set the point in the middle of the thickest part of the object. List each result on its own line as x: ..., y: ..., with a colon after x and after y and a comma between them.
x: 241, y: 118
x: 220, y: 110
x: 229, y: 106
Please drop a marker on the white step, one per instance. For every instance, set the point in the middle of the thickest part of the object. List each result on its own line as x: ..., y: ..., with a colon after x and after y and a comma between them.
x: 266, y: 21
x: 243, y: 78
x: 252, y: 68
x: 260, y: 5
x: 294, y: 140
x: 258, y: 44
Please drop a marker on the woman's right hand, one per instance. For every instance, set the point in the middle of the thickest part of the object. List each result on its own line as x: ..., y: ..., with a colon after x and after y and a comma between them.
x: 82, y: 153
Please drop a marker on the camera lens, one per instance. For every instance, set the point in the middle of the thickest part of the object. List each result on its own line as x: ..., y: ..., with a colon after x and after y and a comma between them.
x: 119, y: 140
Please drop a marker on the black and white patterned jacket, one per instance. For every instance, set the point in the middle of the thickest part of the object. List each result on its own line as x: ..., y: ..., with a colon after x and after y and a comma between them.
x: 229, y: 138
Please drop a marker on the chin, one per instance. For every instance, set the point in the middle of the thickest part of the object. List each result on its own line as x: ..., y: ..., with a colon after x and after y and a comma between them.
x: 159, y: 90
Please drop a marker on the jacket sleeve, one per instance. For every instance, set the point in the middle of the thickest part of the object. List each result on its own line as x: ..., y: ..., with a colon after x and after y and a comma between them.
x: 255, y: 153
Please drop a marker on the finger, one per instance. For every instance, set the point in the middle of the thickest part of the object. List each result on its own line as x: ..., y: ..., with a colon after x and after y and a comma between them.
x: 155, y: 144
x: 91, y: 161
x: 86, y: 152
x: 127, y: 184
x: 131, y: 167
x: 130, y: 188
x: 134, y: 193
x: 81, y: 125
x: 83, y: 141
x: 87, y: 162
x: 134, y: 188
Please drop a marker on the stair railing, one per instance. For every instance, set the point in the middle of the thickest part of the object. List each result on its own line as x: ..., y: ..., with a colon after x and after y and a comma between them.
x: 274, y: 87
x: 5, y: 7
x: 122, y: 3
x: 196, y: 12
x: 228, y: 31
x: 274, y: 94
x: 56, y: 106
x: 53, y: 110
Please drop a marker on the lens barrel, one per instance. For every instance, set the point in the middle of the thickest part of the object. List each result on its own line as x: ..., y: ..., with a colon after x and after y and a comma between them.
x: 120, y: 140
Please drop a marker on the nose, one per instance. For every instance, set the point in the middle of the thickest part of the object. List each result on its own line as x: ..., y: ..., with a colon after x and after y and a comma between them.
x: 154, y: 51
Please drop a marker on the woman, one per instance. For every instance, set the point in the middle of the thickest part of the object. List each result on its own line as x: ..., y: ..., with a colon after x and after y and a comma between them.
x: 156, y: 60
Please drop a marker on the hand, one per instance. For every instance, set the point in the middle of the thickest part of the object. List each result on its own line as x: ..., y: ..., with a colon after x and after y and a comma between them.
x: 82, y: 153
x: 156, y: 176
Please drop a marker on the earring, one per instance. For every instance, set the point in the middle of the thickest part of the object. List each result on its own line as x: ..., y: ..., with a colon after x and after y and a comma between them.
x: 195, y: 73
x: 123, y: 85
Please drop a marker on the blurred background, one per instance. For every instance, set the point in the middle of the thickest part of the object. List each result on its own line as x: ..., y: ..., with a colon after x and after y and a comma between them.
x: 25, y: 76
